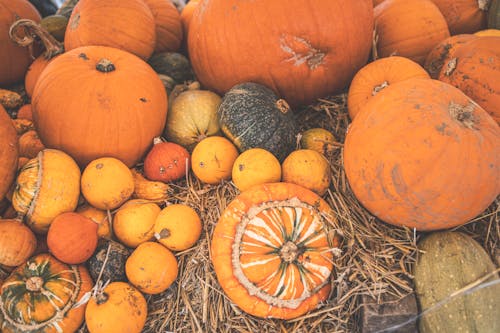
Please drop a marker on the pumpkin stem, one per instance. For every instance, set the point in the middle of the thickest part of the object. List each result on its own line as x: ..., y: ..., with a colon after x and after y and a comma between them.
x: 27, y: 37
x: 101, y: 298
x: 105, y: 66
x: 450, y: 66
x: 289, y: 252
x: 463, y: 114
x: 282, y: 105
x: 34, y: 283
x: 164, y: 233
x: 378, y: 88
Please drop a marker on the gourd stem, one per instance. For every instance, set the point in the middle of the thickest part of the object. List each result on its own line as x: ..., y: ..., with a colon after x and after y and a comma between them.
x: 289, y: 252
x: 101, y: 298
x: 31, y: 30
x: 282, y: 105
x: 105, y: 66
x: 34, y: 283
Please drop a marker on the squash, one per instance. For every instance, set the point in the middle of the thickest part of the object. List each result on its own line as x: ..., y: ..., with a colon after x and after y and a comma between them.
x: 9, y: 150
x: 107, y: 183
x: 166, y: 161
x: 23, y: 125
x: 108, y: 261
x: 17, y: 242
x: 127, y: 25
x: 307, y: 168
x: 149, y: 190
x: 55, y: 25
x: 14, y: 59
x: 168, y: 25
x: 111, y: 104
x: 260, y: 41
x: 464, y: 16
x: 177, y: 227
x: 100, y: 217
x: 46, y: 186
x: 449, y: 262
x: 493, y: 15
x: 252, y: 116
x: 476, y: 77
x: 271, y: 251
x: 319, y: 139
x: 24, y: 112
x: 72, y: 238
x: 408, y: 28
x: 374, y: 77
x: 405, y: 164
x: 172, y: 64
x: 30, y: 144
x: 10, y: 99
x: 41, y: 296
x: 253, y: 167
x: 151, y: 268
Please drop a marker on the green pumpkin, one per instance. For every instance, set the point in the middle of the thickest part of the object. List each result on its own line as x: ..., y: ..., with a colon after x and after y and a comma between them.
x: 252, y: 116
x: 449, y: 262
x: 494, y: 15
x: 172, y: 64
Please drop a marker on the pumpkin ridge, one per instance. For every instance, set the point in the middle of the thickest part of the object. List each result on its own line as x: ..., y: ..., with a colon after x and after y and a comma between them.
x: 37, y: 187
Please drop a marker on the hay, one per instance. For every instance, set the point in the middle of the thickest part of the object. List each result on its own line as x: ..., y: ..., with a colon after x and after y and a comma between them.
x: 377, y: 258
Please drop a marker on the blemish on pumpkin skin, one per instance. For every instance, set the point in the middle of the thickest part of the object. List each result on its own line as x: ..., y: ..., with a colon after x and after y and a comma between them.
x: 83, y: 56
x: 75, y: 22
x: 143, y: 99
x: 301, y: 51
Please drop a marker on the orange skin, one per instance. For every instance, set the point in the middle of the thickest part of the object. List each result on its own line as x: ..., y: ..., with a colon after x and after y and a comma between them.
x: 462, y: 16
x: 169, y: 33
x: 177, y: 227
x: 9, y: 150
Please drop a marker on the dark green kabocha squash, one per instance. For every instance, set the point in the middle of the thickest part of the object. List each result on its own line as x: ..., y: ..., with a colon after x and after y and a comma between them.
x: 252, y: 116
x: 108, y: 261
x: 172, y: 64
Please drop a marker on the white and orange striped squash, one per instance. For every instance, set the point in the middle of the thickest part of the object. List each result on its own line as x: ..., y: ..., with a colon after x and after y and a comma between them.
x: 273, y: 252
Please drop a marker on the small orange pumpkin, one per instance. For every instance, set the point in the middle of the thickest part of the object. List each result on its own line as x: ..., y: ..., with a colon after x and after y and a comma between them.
x: 318, y: 139
x: 168, y: 26
x: 166, y: 161
x: 464, y: 16
x: 177, y: 227
x: 255, y: 166
x: 30, y: 144
x: 9, y: 150
x: 308, y: 168
x: 17, y: 242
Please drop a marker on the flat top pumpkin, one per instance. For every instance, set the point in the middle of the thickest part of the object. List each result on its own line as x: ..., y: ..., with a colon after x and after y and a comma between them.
x: 271, y: 250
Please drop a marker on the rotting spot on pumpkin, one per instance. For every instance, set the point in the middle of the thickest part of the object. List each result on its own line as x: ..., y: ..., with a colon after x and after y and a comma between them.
x: 99, y: 166
x: 301, y: 51
x: 241, y: 167
x: 83, y: 56
x: 143, y: 99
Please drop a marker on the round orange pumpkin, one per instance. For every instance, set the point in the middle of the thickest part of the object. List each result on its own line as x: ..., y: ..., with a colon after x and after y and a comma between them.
x: 377, y: 75
x: 166, y: 161
x: 318, y: 139
x: 300, y: 62
x: 408, y: 164
x: 9, y: 150
x: 17, y: 242
x: 128, y: 25
x: 408, y: 28
x: 464, y: 16
x: 177, y: 227
x: 168, y: 26
x: 99, y: 101
x: 72, y: 238
x: 255, y: 166
x: 265, y: 256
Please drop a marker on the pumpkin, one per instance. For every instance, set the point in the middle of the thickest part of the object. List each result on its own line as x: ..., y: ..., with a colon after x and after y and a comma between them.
x: 55, y: 25
x: 168, y: 25
x: 149, y: 190
x: 151, y: 268
x: 98, y: 216
x: 108, y: 261
x: 41, y: 296
x: 172, y: 64
x: 14, y: 59
x: 23, y: 125
x: 107, y: 183
x: 72, y: 238
x: 187, y: 14
x: 261, y: 42
x: 119, y: 308
x: 448, y: 262
x: 127, y: 25
x: 9, y: 150
x: 30, y: 144
x: 212, y: 159
x: 17, y: 242
x: 255, y: 166
x: 377, y: 75
x: 271, y: 251
x: 493, y: 15
x: 133, y: 223
x: 308, y: 168
x: 318, y: 139
x: 476, y: 77
x: 114, y: 105
x: 166, y: 161
x: 252, y: 116
x: 406, y: 164
x: 488, y: 32
x: 24, y: 112
x: 192, y: 117
x: 464, y: 16
x: 408, y: 28
x: 46, y: 186
x: 177, y: 227
x: 443, y: 52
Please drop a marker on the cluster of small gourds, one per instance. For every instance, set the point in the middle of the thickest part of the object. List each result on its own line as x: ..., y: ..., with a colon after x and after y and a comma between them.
x: 131, y: 96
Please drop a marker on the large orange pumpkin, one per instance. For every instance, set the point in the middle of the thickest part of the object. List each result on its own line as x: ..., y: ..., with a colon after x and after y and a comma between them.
x: 408, y: 28
x: 262, y: 41
x: 464, y: 16
x: 14, y: 59
x: 9, y: 150
x: 17, y: 242
x: 169, y: 34
x: 430, y: 160
x: 99, y: 101
x: 272, y: 252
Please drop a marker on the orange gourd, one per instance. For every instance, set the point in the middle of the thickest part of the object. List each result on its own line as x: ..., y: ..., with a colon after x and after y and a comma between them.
x: 408, y: 28
x: 17, y: 242
x: 148, y: 189
x: 187, y: 14
x: 169, y: 34
x: 9, y: 150
x: 24, y: 112
x: 177, y: 227
x: 30, y: 144
x: 263, y: 255
x: 72, y: 238
x: 166, y: 161
x: 255, y: 166
x: 100, y: 217
x: 318, y: 139
x: 109, y: 104
x: 464, y: 16
x: 128, y: 25
x: 300, y: 62
x: 406, y: 164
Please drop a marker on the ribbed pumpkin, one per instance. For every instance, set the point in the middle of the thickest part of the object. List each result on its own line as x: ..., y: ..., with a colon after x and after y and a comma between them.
x: 41, y: 294
x: 9, y: 150
x: 377, y: 75
x: 406, y: 164
x: 475, y: 69
x: 260, y: 41
x: 272, y: 252
x: 464, y: 16
x: 443, y: 52
x: 408, y: 28
x: 252, y: 116
x: 128, y: 25
x: 166, y: 161
x: 99, y: 101
x: 46, y: 186
x: 168, y: 25
x: 17, y: 242
x: 14, y: 59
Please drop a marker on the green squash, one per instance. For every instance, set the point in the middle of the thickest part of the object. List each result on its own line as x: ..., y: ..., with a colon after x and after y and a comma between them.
x: 172, y: 64
x: 449, y: 262
x: 494, y: 15
x: 55, y: 25
x: 252, y: 116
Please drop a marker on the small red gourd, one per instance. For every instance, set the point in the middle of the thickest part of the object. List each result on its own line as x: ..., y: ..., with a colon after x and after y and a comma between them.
x: 166, y: 161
